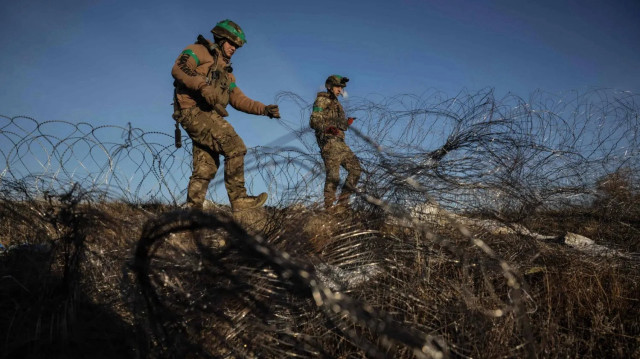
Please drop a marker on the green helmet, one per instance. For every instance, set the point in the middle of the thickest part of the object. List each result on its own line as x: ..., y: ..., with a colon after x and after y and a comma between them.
x: 336, y: 80
x: 230, y: 31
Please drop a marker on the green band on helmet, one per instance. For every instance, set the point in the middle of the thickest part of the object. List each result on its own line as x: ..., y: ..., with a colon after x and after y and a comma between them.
x: 190, y: 53
x: 338, y: 76
x: 317, y: 109
x: 225, y: 25
x: 232, y: 86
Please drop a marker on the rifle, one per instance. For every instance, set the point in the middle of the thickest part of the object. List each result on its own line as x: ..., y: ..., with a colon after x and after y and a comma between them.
x: 176, y: 116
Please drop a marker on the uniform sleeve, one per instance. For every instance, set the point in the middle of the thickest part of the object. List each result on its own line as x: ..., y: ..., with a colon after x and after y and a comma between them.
x: 241, y: 102
x: 319, y: 114
x: 184, y: 69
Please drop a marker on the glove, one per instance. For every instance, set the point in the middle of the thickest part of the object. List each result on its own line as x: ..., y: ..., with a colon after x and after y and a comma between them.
x: 272, y: 111
x: 332, y: 131
x: 210, y: 94
x: 350, y: 120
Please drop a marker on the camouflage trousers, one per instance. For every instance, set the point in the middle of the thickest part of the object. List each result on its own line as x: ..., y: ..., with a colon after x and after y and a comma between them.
x: 213, y: 136
x: 336, y: 153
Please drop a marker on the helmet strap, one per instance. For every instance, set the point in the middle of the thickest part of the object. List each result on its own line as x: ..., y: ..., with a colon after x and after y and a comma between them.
x: 220, y: 43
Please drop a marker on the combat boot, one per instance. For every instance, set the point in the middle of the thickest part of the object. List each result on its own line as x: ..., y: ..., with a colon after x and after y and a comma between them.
x: 248, y: 202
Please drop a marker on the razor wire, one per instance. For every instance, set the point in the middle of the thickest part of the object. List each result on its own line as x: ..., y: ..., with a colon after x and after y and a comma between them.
x: 123, y: 163
x: 472, y: 151
x: 207, y: 286
x: 482, y: 153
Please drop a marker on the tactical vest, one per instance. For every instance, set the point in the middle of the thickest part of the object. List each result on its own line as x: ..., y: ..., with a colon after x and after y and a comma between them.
x: 219, y: 78
x: 334, y: 110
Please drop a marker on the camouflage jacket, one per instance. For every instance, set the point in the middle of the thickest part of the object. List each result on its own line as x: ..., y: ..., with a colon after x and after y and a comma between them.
x: 328, y: 112
x: 201, y: 64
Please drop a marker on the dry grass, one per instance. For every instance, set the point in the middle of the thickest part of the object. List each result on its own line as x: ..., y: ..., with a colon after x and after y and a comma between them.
x: 89, y: 279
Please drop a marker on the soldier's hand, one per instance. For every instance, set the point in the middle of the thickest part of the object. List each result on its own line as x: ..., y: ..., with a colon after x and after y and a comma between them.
x: 350, y: 120
x: 272, y: 111
x: 210, y: 94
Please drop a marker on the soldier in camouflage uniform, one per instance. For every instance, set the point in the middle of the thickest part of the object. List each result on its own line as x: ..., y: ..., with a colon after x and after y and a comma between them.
x: 204, y: 85
x: 329, y: 122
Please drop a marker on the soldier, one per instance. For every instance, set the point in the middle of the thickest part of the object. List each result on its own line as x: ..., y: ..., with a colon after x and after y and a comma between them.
x: 204, y: 85
x: 329, y: 122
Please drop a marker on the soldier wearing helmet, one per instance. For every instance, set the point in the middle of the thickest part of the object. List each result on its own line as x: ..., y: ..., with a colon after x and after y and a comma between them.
x: 330, y: 122
x: 204, y: 85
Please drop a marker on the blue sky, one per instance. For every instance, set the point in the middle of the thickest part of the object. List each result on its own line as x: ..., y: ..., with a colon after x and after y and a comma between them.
x: 109, y: 62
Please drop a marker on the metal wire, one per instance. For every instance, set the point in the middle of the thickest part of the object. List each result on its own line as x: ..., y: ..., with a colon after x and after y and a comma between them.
x: 311, y: 285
